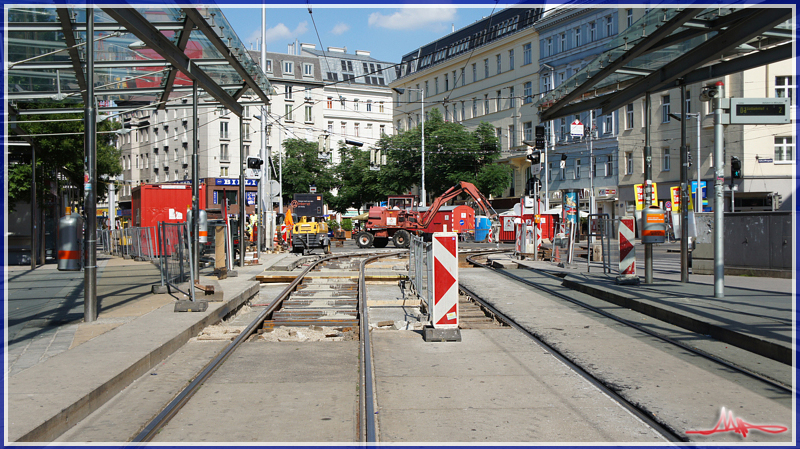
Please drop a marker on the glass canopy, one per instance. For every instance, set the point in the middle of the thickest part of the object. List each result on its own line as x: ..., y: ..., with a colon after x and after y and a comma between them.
x: 47, y: 56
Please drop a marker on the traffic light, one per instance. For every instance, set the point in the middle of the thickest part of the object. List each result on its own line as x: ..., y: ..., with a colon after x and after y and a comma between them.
x: 736, y: 168
x: 254, y: 162
x: 535, y: 157
x: 539, y: 141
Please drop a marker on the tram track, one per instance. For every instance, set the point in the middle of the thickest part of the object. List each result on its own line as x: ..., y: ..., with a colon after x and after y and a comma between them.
x: 315, y: 304
x: 665, y: 429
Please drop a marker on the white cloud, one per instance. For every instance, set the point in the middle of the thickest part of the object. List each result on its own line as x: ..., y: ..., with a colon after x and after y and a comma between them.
x: 280, y: 32
x: 340, y: 28
x: 412, y: 18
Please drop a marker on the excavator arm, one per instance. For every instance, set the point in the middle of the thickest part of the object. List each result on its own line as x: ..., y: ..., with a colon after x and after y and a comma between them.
x: 453, y: 192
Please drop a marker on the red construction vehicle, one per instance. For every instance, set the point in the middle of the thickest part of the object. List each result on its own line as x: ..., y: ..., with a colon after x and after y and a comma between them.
x: 400, y: 218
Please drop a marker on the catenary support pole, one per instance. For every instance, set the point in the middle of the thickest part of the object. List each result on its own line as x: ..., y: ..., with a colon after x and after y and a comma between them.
x: 648, y: 189
x: 684, y: 205
x: 90, y: 181
x: 195, y: 186
x: 719, y: 180
x: 34, y: 222
x: 242, y: 198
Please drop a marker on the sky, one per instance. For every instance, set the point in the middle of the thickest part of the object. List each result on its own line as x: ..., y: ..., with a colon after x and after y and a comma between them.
x: 387, y: 33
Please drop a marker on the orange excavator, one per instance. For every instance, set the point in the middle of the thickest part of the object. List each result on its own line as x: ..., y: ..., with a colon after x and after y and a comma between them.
x: 397, y: 223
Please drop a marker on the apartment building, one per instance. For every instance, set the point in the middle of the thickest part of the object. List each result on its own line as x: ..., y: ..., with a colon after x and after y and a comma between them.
x: 485, y: 72
x: 356, y: 101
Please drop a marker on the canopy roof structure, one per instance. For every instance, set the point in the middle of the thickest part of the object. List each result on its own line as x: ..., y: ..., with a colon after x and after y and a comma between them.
x: 672, y: 46
x: 142, y: 56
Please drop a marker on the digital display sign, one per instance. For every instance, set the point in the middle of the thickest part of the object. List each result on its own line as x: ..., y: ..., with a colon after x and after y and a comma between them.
x: 759, y: 111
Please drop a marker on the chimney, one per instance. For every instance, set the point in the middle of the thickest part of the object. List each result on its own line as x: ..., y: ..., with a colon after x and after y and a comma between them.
x: 337, y: 50
x: 362, y: 53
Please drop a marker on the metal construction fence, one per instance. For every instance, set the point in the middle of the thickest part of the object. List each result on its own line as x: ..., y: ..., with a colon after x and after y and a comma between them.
x: 136, y: 243
x: 176, y: 257
x: 421, y: 268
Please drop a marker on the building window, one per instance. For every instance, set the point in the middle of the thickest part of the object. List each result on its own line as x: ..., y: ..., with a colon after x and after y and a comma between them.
x: 308, y: 114
x: 344, y: 127
x: 497, y: 100
x: 512, y: 100
x: 269, y: 65
x: 512, y: 137
x: 499, y: 64
x: 485, y: 104
x: 665, y: 109
x: 784, y: 149
x: 563, y: 128
x: 609, y: 124
x: 630, y: 17
x: 356, y: 127
x: 380, y: 106
x: 527, y: 131
x: 629, y: 116
x: 330, y: 103
x: 499, y: 134
x: 563, y: 171
x: 784, y: 87
x: 577, y: 37
x: 563, y: 42
x: 527, y: 92
x: 474, y: 107
x: 369, y: 105
x: 330, y: 127
x: 288, y: 92
x: 474, y: 72
x: 609, y: 26
x: 223, y: 130
x: 426, y: 87
x: 665, y: 166
x: 288, y: 67
x: 511, y: 59
x: 224, y: 156
x: 609, y: 166
x: 486, y: 68
x: 288, y: 115
x: 463, y: 112
x: 383, y: 130
x: 355, y: 104
x: 308, y: 70
x: 592, y: 31
x: 223, y: 172
x: 549, y: 46
x: 446, y: 84
x: 527, y: 57
x: 546, y: 86
x: 629, y: 163
x: 463, y: 77
x: 577, y: 168
x: 436, y: 85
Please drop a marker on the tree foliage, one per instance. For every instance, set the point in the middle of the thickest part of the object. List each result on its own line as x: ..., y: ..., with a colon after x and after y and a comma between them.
x: 303, y: 168
x: 452, y: 154
x: 356, y: 183
x: 60, y: 151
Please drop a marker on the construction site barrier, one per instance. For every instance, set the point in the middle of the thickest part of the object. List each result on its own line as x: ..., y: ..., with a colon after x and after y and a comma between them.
x: 176, y: 257
x: 421, y: 268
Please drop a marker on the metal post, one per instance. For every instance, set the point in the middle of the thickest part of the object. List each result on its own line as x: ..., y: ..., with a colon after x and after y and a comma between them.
x: 719, y: 179
x: 648, y: 189
x: 195, y: 187
x: 590, y: 239
x: 264, y: 212
x: 684, y: 190
x: 242, y: 199
x: 698, y: 200
x: 422, y: 118
x: 112, y: 205
x: 34, y: 234
x: 546, y: 177
x: 89, y: 188
x: 280, y: 169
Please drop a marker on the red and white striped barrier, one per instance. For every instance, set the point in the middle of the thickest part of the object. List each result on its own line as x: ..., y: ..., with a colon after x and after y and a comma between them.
x: 627, y: 253
x: 444, y: 310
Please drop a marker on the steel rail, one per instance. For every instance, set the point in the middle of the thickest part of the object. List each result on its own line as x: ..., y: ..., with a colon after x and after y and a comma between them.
x: 646, y: 417
x: 161, y: 420
x: 636, y: 326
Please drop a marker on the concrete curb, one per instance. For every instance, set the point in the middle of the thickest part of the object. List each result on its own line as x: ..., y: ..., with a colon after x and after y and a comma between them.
x: 49, y: 428
x: 686, y: 320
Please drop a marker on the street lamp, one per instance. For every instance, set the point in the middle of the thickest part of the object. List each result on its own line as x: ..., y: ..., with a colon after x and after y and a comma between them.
x: 400, y: 91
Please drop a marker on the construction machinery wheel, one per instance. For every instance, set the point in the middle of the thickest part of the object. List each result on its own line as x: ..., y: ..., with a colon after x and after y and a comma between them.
x: 401, y: 239
x: 381, y: 242
x: 364, y: 239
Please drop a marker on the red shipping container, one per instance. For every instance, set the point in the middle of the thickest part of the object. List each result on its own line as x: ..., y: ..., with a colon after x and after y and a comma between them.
x: 458, y: 219
x: 154, y: 203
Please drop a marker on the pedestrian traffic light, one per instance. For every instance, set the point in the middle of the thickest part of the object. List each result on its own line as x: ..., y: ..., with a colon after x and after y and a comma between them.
x: 736, y: 168
x: 535, y: 157
x: 539, y: 141
x: 254, y: 162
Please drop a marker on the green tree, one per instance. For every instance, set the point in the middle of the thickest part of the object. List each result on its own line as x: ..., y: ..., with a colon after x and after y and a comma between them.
x: 59, y: 150
x: 303, y: 168
x: 452, y: 154
x: 356, y: 183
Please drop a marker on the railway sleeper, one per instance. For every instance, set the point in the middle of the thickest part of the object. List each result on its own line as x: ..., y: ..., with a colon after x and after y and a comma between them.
x: 342, y: 324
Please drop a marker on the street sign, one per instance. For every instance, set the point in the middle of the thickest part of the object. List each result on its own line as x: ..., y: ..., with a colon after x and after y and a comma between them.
x: 576, y: 129
x: 536, y: 169
x: 760, y: 111
x: 763, y: 160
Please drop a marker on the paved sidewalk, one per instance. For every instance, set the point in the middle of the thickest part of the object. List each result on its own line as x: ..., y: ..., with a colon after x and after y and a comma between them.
x: 64, y: 369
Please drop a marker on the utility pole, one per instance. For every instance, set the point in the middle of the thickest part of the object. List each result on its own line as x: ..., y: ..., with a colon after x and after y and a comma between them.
x: 195, y: 186
x: 648, y: 190
x: 684, y: 210
x: 90, y: 183
x: 719, y: 180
